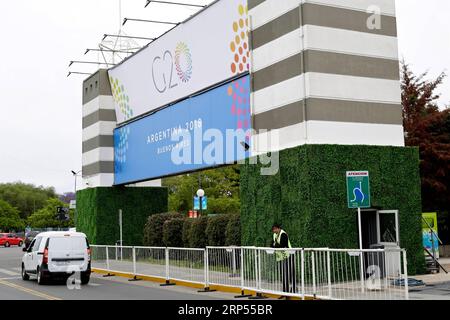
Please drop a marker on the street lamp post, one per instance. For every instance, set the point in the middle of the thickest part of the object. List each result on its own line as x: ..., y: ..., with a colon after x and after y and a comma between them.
x: 75, y: 175
x: 200, y: 195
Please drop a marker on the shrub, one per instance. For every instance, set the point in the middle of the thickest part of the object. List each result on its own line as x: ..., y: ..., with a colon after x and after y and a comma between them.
x: 197, y: 235
x: 153, y: 230
x: 172, y: 232
x: 186, y: 233
x: 215, y: 230
x: 233, y: 231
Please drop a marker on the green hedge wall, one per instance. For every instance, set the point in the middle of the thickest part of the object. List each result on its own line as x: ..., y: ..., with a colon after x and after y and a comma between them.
x: 173, y: 233
x: 98, y: 212
x: 308, y: 196
x: 153, y: 229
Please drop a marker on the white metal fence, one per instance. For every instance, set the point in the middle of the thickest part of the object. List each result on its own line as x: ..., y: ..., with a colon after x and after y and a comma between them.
x: 320, y: 273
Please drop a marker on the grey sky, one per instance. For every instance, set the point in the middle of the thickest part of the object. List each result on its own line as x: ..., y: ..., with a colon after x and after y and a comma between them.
x: 41, y: 108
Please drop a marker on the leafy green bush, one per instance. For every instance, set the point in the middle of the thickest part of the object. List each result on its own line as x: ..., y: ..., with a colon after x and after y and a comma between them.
x: 197, y: 236
x: 153, y: 230
x: 172, y: 232
x: 223, y: 205
x: 233, y: 231
x: 9, y: 218
x: 186, y: 233
x: 215, y: 230
x: 46, y: 217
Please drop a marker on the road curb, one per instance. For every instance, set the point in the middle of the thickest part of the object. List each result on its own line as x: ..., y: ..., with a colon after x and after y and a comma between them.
x: 219, y: 288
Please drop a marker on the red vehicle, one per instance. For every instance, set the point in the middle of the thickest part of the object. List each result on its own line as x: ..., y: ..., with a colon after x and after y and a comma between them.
x: 10, y: 239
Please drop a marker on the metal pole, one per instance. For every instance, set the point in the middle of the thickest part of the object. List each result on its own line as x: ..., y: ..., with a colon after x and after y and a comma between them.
x: 206, y: 252
x: 167, y: 265
x: 242, y: 270
x: 75, y: 218
x: 361, y: 256
x: 121, y: 238
x: 134, y: 261
x: 329, y: 274
x: 107, y: 258
x: 303, y: 273
x: 405, y: 272
x: 234, y: 261
x: 313, y: 263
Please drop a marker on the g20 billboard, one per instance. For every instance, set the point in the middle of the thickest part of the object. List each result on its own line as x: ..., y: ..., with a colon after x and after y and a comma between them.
x: 204, y: 51
x: 204, y: 131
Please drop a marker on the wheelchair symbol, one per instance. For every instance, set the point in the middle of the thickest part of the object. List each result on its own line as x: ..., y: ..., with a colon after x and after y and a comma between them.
x: 358, y: 194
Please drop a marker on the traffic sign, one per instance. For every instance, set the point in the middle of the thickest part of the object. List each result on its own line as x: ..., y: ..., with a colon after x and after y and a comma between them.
x: 358, y: 189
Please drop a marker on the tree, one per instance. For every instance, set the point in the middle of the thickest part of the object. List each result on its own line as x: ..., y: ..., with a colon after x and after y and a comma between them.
x: 428, y: 127
x: 27, y: 198
x: 221, y: 186
x: 46, y: 217
x: 9, y: 218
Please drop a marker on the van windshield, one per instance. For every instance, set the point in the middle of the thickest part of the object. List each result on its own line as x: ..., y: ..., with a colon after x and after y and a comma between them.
x: 67, y: 243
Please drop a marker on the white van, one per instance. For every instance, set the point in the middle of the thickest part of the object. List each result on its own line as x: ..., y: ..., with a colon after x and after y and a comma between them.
x: 57, y: 254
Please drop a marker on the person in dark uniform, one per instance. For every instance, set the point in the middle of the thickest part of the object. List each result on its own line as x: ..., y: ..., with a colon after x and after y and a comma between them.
x: 286, y: 261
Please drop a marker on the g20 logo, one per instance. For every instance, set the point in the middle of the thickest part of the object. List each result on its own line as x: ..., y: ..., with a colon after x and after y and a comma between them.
x: 165, y: 66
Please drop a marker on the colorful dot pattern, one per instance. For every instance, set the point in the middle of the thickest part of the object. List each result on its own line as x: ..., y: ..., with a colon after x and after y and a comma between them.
x: 183, y: 56
x: 239, y: 45
x: 123, y: 101
x: 239, y: 92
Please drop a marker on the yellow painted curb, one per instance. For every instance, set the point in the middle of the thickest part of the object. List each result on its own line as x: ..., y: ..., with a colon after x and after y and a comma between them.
x: 192, y: 285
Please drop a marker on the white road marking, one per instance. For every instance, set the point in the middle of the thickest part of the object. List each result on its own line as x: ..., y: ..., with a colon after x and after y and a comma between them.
x: 9, y: 273
x: 94, y: 284
x: 12, y: 278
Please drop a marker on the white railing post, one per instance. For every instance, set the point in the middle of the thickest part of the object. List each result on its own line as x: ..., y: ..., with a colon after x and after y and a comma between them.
x: 107, y: 258
x: 361, y: 262
x: 313, y: 264
x: 206, y: 257
x: 167, y: 265
x: 242, y: 270
x: 233, y: 252
x: 134, y: 262
x: 329, y: 274
x: 303, y: 272
x: 259, y: 284
x: 405, y: 272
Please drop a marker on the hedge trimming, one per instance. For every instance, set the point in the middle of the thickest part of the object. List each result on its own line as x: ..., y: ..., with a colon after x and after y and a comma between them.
x: 215, y: 230
x: 186, y: 233
x: 153, y: 230
x: 98, y: 212
x: 233, y: 231
x: 173, y: 233
x: 308, y: 196
x: 197, y: 236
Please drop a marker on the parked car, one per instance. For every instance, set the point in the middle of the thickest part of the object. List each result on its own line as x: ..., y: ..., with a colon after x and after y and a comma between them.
x: 29, y: 236
x: 10, y: 239
x: 57, y: 255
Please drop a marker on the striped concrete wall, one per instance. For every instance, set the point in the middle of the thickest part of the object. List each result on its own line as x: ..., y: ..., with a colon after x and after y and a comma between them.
x: 99, y: 122
x: 321, y: 75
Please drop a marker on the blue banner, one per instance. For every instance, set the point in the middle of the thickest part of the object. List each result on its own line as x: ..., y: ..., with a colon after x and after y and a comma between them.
x: 201, y: 132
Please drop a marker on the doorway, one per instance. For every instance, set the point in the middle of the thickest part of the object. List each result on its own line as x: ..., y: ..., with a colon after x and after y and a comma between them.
x: 380, y: 230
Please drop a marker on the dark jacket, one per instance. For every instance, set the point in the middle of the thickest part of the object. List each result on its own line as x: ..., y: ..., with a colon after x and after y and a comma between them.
x: 284, y: 242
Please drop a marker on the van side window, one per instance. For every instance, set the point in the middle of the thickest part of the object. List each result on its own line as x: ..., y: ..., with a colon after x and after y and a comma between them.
x: 37, y: 244
x: 30, y: 248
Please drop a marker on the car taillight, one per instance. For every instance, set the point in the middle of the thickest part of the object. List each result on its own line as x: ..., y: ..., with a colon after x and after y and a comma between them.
x: 45, y: 259
x: 89, y: 253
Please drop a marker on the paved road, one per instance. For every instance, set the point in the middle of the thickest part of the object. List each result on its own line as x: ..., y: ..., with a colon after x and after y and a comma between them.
x: 12, y: 287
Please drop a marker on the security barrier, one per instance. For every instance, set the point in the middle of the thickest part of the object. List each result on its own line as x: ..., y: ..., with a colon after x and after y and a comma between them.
x: 317, y: 273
